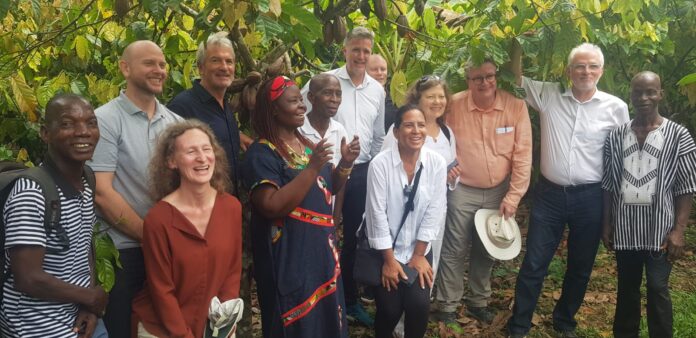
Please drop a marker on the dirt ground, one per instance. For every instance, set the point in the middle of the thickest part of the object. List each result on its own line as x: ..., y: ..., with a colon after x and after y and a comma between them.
x: 594, y: 317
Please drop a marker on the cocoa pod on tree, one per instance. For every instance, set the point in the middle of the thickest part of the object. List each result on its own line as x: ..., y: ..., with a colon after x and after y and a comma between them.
x: 287, y: 63
x: 380, y: 9
x: 402, y: 25
x: 121, y: 8
x: 339, y: 29
x: 365, y: 8
x: 419, y: 6
x: 249, y: 97
x: 276, y: 68
x: 328, y: 33
x: 253, y: 78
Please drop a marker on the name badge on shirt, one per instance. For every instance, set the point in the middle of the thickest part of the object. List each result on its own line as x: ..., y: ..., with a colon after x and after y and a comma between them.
x: 504, y: 130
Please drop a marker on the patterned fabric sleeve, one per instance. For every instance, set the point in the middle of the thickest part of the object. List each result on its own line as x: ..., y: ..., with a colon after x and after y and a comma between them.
x: 263, y: 166
x: 611, y: 160
x: 686, y: 164
x: 24, y: 215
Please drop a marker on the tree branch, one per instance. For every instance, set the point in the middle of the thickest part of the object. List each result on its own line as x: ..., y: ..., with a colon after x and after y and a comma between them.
x: 242, y: 49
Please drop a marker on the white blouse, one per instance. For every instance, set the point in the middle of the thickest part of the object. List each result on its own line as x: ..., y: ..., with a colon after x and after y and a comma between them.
x: 386, y: 200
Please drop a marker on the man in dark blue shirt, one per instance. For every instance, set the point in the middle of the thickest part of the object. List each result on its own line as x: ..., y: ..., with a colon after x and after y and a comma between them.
x: 206, y: 99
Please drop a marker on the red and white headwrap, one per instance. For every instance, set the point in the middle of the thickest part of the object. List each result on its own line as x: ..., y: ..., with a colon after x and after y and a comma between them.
x: 278, y: 86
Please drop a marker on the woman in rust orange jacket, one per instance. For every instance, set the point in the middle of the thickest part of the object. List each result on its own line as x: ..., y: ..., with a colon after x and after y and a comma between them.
x: 192, y: 237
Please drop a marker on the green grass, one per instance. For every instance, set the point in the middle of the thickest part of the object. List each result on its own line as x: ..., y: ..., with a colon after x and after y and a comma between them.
x: 684, y: 305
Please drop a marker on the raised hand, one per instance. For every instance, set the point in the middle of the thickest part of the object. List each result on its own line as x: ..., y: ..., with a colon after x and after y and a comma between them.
x: 321, y: 154
x: 350, y: 151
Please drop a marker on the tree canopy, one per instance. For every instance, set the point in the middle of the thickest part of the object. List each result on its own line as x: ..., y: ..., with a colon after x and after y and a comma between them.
x: 49, y: 46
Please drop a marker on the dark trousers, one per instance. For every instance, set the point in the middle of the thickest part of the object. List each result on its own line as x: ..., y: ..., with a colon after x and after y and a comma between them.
x: 581, y: 208
x: 353, y: 209
x: 129, y: 281
x: 412, y: 301
x: 629, y: 266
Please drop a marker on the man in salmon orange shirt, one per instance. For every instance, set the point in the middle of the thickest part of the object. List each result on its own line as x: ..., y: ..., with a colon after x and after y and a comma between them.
x: 494, y: 151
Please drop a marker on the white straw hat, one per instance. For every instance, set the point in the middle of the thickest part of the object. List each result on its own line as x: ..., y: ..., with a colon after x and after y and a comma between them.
x: 501, y: 237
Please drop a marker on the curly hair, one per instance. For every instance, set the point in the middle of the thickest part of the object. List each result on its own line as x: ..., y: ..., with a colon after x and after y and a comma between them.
x: 265, y: 125
x: 164, y: 180
x: 414, y: 93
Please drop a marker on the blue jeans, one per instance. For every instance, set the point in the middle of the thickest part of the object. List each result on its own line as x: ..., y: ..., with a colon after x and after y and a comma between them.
x: 629, y: 265
x: 581, y: 208
x: 100, y: 330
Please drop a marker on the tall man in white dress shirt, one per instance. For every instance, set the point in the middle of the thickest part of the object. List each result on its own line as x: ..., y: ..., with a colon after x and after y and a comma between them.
x: 362, y: 113
x: 574, y: 125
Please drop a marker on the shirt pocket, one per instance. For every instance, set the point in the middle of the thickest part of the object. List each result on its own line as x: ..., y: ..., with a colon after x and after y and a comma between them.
x: 504, y: 140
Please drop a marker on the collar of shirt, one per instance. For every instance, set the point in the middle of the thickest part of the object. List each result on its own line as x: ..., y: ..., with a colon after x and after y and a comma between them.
x: 307, y: 129
x: 128, y: 106
x: 367, y: 80
x: 597, y: 96
x: 201, y: 93
x: 497, y: 104
x: 397, y: 163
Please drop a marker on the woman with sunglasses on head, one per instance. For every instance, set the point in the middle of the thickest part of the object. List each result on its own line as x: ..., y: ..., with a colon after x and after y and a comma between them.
x: 393, y: 176
x: 431, y: 95
x: 291, y: 182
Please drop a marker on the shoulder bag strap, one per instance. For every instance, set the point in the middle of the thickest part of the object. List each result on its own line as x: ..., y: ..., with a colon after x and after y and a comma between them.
x: 409, y: 204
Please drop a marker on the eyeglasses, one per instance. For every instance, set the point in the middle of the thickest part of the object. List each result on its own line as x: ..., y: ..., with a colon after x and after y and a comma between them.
x: 581, y: 66
x: 479, y: 79
x: 278, y: 86
x: 425, y: 79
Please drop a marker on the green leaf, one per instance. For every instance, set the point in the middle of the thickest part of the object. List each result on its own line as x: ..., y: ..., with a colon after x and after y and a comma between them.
x: 82, y: 47
x: 24, y: 96
x: 156, y: 8
x: 263, y: 5
x: 686, y: 80
x: 4, y: 8
x: 398, y: 88
x: 303, y: 17
x: 269, y: 27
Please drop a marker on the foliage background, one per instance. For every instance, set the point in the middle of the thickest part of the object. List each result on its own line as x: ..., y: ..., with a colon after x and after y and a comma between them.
x: 51, y: 46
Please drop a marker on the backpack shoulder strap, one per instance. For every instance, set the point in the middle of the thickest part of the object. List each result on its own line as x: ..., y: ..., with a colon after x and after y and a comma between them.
x: 52, y: 201
x: 446, y: 131
x: 88, y: 173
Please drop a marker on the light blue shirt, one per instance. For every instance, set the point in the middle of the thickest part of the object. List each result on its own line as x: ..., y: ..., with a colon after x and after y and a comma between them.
x: 127, y: 139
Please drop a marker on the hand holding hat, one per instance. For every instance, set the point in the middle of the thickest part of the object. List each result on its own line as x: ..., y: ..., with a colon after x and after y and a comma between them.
x: 500, y: 235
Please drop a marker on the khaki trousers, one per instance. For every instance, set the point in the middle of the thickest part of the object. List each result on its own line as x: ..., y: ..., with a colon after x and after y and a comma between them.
x: 460, y: 235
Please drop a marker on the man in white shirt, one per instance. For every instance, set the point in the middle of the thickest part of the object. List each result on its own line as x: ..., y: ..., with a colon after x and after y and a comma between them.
x: 362, y: 113
x: 325, y: 96
x: 574, y: 125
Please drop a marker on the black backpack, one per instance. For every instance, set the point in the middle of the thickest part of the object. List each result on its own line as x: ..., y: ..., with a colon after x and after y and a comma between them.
x: 10, y: 172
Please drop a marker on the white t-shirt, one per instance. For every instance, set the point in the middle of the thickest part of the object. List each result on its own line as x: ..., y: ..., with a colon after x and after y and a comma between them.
x: 333, y: 135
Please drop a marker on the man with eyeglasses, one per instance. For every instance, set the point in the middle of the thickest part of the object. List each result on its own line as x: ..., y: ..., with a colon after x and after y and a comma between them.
x: 362, y: 113
x: 494, y: 150
x: 574, y: 125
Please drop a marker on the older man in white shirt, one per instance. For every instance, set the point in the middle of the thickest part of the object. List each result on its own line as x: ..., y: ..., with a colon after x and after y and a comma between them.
x: 362, y: 113
x: 574, y: 125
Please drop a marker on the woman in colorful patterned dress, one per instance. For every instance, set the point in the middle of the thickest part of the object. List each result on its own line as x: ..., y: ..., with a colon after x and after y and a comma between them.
x: 294, y: 245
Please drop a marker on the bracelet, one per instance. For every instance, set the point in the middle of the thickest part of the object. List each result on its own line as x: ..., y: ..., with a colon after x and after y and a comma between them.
x: 344, y: 171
